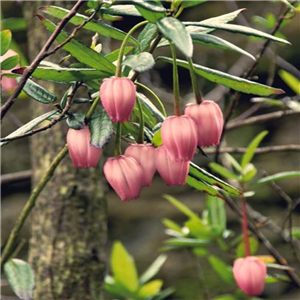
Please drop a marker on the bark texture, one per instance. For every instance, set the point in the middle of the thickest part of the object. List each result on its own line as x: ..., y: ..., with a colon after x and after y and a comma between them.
x: 67, y: 248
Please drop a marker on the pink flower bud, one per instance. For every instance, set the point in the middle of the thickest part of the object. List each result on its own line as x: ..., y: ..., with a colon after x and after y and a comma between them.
x: 209, y: 119
x: 8, y: 84
x: 125, y: 175
x: 179, y: 135
x: 82, y: 153
x: 172, y: 172
x: 250, y: 274
x: 144, y: 155
x: 118, y: 96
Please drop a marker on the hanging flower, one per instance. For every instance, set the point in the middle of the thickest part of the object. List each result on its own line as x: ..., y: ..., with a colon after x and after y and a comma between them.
x: 250, y: 274
x: 8, y: 84
x: 172, y: 172
x: 118, y: 96
x: 179, y: 135
x: 125, y: 175
x: 209, y: 119
x: 82, y: 153
x: 144, y: 154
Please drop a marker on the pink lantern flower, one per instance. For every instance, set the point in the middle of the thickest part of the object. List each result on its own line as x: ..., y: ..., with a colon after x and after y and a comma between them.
x: 144, y: 154
x: 118, y: 96
x: 125, y: 175
x: 172, y: 172
x: 209, y: 119
x: 179, y: 135
x: 82, y: 153
x: 8, y: 84
x: 250, y: 274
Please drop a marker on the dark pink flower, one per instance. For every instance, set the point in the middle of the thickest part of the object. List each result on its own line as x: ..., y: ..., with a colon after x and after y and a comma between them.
x: 82, y: 153
x: 172, y: 172
x: 144, y: 154
x: 209, y: 119
x: 125, y: 175
x: 118, y: 96
x: 250, y: 274
x: 179, y: 135
x: 8, y: 84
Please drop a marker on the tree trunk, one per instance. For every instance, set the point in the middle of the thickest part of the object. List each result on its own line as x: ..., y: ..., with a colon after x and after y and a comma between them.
x: 67, y: 248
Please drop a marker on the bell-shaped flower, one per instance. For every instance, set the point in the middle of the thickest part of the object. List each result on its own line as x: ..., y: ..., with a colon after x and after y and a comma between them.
x: 144, y: 154
x: 8, y: 84
x: 172, y: 172
x: 82, y: 153
x: 179, y: 136
x: 209, y: 119
x: 250, y: 274
x: 118, y: 95
x: 125, y: 175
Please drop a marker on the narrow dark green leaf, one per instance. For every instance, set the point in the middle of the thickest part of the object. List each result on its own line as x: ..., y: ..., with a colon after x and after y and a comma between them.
x: 199, y: 230
x: 38, y: 93
x: 175, y: 31
x: 248, y: 172
x: 101, y: 129
x: 150, y: 10
x: 153, y: 269
x: 14, y: 24
x: 140, y: 62
x: 222, y: 171
x: 164, y: 294
x: 80, y: 51
x: 278, y: 176
x: 202, y: 186
x: 150, y: 289
x: 99, y: 27
x: 171, y: 225
x: 20, y: 278
x: 216, y: 214
x: 248, y: 155
x: 10, y: 62
x: 145, y: 38
x: 30, y: 125
x: 5, y: 41
x: 222, y: 269
x: 121, y: 10
x: 148, y: 105
x: 113, y: 56
x: 123, y: 268
x: 234, y: 82
x: 76, y: 121
x: 187, y: 242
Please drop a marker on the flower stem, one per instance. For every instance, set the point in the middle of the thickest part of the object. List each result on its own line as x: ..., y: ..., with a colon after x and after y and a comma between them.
x: 161, y: 106
x: 118, y: 150
x: 175, y: 83
x: 122, y: 48
x: 91, y: 110
x: 245, y: 228
x: 196, y: 89
x: 142, y: 122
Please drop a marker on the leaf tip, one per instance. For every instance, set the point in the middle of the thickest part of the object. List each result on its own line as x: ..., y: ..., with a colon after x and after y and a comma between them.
x: 279, y: 91
x: 40, y: 17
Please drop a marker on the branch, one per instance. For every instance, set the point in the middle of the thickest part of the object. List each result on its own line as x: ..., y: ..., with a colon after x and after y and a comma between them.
x: 15, y: 177
x: 42, y: 55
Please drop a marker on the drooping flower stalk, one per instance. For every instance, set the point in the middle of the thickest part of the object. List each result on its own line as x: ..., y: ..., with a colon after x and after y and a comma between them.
x: 245, y: 227
x: 118, y: 150
x: 177, y: 110
x: 196, y: 90
x: 141, y: 130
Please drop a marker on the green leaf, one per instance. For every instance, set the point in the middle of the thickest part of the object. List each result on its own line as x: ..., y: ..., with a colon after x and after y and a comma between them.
x: 164, y: 294
x: 187, y: 242
x: 101, y: 129
x: 156, y: 139
x: 248, y: 155
x: 223, y: 270
x: 150, y: 289
x: 237, y: 29
x: 234, y: 82
x: 150, y: 10
x: 226, y: 18
x: 175, y: 31
x: 233, y: 162
x: 296, y: 232
x: 226, y: 297
x: 278, y: 176
x: 121, y: 10
x: 20, y: 278
x: 218, y: 43
x: 10, y: 62
x: 99, y: 27
x: 180, y: 206
x: 171, y: 225
x: 81, y: 52
x: 113, y: 287
x: 153, y: 269
x: 123, y: 268
x: 30, y: 125
x: 5, y: 41
x: 253, y: 243
x: 145, y: 38
x: 216, y: 214
x: 187, y: 3
x: 113, y: 56
x: 222, y: 171
x: 38, y: 93
x: 248, y: 173
x: 14, y: 24
x: 76, y: 121
x: 290, y: 80
x: 202, y: 186
x: 198, y: 230
x: 140, y: 62
x: 201, y: 174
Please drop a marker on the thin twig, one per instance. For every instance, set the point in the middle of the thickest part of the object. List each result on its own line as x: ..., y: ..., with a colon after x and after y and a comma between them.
x: 42, y: 55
